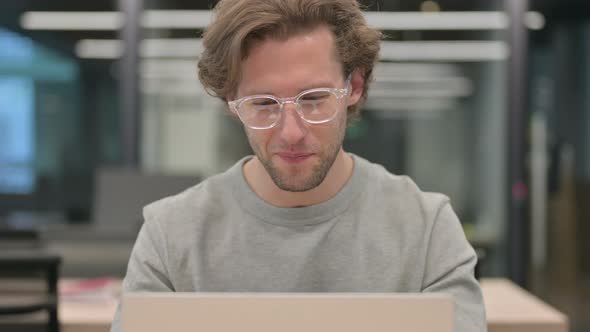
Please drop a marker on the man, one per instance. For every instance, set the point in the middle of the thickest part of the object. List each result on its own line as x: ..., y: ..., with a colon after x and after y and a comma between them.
x: 301, y: 215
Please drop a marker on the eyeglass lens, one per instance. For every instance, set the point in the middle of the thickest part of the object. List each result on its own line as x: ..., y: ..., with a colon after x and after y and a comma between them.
x: 314, y: 107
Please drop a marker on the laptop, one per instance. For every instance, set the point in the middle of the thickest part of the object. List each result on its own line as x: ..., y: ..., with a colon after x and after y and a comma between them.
x: 287, y: 312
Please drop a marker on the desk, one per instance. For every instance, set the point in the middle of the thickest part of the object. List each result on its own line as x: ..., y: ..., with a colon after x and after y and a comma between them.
x: 509, y: 309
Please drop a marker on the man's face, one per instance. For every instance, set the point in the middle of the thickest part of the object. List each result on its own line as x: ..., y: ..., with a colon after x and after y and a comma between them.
x: 297, y: 155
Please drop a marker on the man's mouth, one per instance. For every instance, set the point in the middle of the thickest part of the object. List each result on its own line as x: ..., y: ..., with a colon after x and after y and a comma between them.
x: 294, y: 158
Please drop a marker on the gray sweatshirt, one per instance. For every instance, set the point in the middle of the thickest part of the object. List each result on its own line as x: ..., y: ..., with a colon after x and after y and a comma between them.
x: 380, y: 233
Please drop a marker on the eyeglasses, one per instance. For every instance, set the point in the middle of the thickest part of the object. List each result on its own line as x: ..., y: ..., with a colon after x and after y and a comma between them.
x: 315, y: 106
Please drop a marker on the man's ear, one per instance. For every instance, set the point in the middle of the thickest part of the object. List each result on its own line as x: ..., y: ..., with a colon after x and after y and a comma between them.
x: 230, y: 97
x: 357, y: 83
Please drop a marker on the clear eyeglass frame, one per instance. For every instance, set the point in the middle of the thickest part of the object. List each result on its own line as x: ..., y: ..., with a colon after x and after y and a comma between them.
x: 339, y: 93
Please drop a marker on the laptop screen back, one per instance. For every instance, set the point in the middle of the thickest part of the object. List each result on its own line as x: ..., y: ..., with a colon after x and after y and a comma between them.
x: 286, y: 312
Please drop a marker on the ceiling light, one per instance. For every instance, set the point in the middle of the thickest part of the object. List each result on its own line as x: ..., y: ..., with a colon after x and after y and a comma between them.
x: 99, y: 49
x: 416, y: 69
x: 444, y: 51
x: 176, y: 19
x: 415, y: 86
x: 403, y: 107
x: 196, y: 19
x: 534, y: 20
x: 449, y: 90
x: 437, y: 20
x: 72, y: 20
x: 392, y: 51
x: 148, y: 48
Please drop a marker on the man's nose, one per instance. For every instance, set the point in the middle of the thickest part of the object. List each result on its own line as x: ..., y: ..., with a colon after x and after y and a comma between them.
x: 292, y: 127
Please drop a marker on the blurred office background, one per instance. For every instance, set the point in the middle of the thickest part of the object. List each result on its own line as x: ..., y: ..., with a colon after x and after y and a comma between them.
x: 487, y: 101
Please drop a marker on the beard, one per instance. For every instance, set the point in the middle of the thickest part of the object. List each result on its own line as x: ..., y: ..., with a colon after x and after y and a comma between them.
x: 295, y: 180
x: 301, y: 178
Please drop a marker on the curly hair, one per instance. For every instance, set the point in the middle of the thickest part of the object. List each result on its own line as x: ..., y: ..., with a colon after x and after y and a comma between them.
x: 238, y: 23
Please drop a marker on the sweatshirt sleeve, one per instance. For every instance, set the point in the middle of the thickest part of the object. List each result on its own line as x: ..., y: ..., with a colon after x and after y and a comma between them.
x: 146, y: 271
x: 450, y: 265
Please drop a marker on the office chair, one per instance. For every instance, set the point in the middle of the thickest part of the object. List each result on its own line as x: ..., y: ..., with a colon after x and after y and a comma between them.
x: 121, y: 194
x: 23, y: 268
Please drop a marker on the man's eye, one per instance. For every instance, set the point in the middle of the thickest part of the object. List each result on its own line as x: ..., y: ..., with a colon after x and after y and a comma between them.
x: 315, y: 97
x: 264, y: 102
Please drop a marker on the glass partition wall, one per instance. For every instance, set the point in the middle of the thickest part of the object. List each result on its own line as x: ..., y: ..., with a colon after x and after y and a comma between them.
x: 559, y: 160
x: 57, y: 112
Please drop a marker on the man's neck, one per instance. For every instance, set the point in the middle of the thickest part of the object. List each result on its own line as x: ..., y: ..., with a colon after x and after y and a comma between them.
x: 263, y: 185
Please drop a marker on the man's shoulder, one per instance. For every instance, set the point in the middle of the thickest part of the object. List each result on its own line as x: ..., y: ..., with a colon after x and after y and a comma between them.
x: 396, y: 211
x: 398, y: 186
x: 401, y: 195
